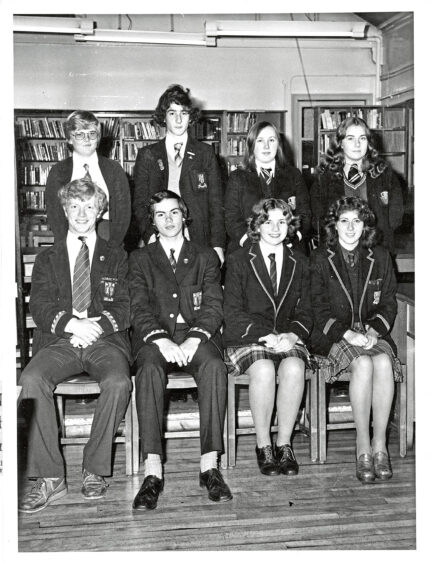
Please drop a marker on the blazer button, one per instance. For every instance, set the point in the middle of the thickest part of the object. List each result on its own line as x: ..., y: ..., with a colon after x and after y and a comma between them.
x: 172, y: 315
x: 174, y: 295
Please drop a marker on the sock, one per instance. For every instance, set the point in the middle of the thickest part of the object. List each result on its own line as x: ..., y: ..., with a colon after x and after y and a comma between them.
x: 209, y: 461
x: 153, y: 466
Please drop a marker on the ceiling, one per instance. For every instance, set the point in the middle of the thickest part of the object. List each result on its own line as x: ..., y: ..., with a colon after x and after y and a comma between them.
x: 376, y: 18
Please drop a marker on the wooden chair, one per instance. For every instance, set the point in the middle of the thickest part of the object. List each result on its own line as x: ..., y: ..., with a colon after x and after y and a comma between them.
x: 176, y: 381
x: 403, y: 335
x: 83, y: 385
x: 233, y: 430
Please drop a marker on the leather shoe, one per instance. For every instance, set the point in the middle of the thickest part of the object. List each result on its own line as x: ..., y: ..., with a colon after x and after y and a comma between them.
x: 382, y: 465
x: 286, y: 459
x: 266, y: 461
x: 147, y: 496
x: 214, y: 482
x: 44, y: 492
x: 93, y: 485
x: 365, y: 470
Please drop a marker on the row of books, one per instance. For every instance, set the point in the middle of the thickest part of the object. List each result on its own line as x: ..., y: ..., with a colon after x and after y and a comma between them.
x: 236, y: 146
x: 206, y: 129
x: 143, y: 130
x: 331, y: 119
x: 33, y: 200
x: 39, y: 151
x: 110, y: 127
x: 35, y: 174
x: 131, y: 148
x: 43, y: 127
x: 239, y: 122
x: 324, y: 143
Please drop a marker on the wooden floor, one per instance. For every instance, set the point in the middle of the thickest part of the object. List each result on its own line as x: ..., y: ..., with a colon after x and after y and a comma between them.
x: 324, y: 507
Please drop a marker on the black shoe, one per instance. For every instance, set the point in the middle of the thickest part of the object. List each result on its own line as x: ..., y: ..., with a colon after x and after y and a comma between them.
x: 147, y: 496
x: 287, y: 461
x: 214, y: 482
x: 178, y: 395
x: 195, y: 395
x: 266, y: 461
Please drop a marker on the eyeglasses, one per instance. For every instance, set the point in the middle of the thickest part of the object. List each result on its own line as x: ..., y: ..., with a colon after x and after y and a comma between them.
x: 81, y: 135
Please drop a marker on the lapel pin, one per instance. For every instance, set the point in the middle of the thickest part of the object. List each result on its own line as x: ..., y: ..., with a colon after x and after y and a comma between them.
x: 185, y: 261
x: 160, y: 164
x: 102, y: 258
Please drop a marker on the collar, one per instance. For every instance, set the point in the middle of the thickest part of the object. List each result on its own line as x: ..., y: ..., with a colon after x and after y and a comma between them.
x: 91, y: 161
x: 345, y: 252
x: 90, y: 239
x: 171, y: 141
x: 271, y: 165
x: 175, y: 245
x: 267, y: 249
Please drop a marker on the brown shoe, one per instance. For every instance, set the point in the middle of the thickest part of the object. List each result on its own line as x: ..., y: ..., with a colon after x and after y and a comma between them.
x: 365, y: 470
x: 382, y: 463
x: 44, y: 492
x: 93, y: 485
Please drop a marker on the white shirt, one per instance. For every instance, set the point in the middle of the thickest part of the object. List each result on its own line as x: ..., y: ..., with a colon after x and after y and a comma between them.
x: 94, y: 171
x: 171, y: 141
x: 176, y: 246
x: 266, y: 250
x: 73, y: 247
x: 271, y: 165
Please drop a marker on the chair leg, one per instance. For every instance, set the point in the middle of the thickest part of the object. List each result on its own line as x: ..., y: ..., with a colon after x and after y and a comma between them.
x: 135, y: 426
x: 129, y: 430
x: 59, y: 400
x: 402, y: 414
x: 231, y: 421
x: 313, y: 417
x: 410, y: 393
x: 224, y: 455
x: 322, y: 418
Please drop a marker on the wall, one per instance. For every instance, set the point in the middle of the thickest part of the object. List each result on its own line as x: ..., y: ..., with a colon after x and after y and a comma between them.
x: 248, y: 75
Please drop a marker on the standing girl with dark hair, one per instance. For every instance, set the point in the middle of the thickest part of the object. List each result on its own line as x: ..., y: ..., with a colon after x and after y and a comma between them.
x: 354, y: 304
x: 352, y: 167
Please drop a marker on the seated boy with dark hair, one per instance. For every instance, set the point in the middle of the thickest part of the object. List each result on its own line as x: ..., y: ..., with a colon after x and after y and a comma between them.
x: 80, y: 304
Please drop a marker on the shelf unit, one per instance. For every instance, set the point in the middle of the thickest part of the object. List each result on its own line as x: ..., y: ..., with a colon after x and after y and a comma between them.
x: 389, y: 126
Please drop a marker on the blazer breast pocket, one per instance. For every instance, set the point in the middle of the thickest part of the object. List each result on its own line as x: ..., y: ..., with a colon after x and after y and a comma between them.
x: 200, y: 181
x: 374, y: 287
x: 107, y: 287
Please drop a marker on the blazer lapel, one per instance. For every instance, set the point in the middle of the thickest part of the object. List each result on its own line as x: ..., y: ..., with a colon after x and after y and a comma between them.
x: 335, y: 261
x: 61, y: 268
x: 100, y: 258
x: 366, y: 264
x: 161, y: 260
x: 185, y: 261
x: 287, y: 275
x: 259, y: 267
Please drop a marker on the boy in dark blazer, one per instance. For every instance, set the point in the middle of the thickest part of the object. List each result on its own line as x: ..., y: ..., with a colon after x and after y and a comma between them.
x: 185, y: 166
x: 176, y: 304
x: 80, y: 304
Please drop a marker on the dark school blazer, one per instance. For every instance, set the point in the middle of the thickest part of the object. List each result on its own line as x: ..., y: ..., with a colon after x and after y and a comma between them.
x: 332, y: 304
x: 200, y: 186
x: 119, y: 198
x: 327, y: 188
x: 158, y: 294
x: 51, y: 295
x: 250, y: 309
x: 244, y: 190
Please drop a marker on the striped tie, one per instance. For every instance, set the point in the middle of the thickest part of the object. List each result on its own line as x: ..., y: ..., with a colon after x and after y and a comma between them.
x: 273, y: 274
x: 178, y: 158
x: 81, y: 297
x: 87, y: 172
x: 172, y: 259
x: 266, y: 173
x: 353, y: 175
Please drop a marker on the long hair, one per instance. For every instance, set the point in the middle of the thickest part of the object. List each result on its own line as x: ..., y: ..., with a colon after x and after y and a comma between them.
x: 370, y: 236
x: 175, y: 94
x: 168, y: 195
x: 253, y: 133
x: 260, y: 214
x: 334, y: 158
x: 83, y: 189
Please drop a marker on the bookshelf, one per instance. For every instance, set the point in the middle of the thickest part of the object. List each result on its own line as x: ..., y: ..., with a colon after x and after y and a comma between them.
x: 389, y: 126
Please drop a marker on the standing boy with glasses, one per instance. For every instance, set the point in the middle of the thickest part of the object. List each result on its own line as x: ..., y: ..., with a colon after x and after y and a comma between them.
x: 83, y: 133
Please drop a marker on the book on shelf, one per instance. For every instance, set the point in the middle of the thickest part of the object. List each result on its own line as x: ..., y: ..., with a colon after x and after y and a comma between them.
x: 239, y: 122
x: 43, y: 127
x: 35, y: 174
x: 142, y: 129
x: 41, y: 151
x: 110, y: 127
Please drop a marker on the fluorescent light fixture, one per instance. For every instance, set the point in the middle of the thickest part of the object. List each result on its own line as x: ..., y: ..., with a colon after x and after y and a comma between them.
x: 40, y: 24
x: 263, y: 28
x: 132, y: 36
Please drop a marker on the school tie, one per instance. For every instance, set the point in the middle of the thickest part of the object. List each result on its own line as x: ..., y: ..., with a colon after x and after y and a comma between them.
x: 351, y: 259
x: 354, y: 176
x: 81, y: 293
x: 273, y: 274
x: 266, y: 173
x: 172, y: 259
x: 178, y: 158
x: 87, y: 172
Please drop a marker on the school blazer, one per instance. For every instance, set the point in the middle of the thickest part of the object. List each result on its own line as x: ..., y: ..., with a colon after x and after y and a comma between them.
x: 119, y: 198
x: 199, y: 184
x: 331, y: 292
x: 158, y: 294
x: 250, y: 308
x: 51, y: 295
x: 244, y: 190
x: 327, y: 188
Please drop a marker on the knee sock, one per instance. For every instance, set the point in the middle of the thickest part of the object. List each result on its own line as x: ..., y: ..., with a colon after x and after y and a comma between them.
x: 153, y: 466
x: 209, y: 461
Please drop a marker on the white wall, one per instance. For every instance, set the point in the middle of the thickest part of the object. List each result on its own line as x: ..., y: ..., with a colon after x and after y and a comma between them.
x: 62, y: 75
